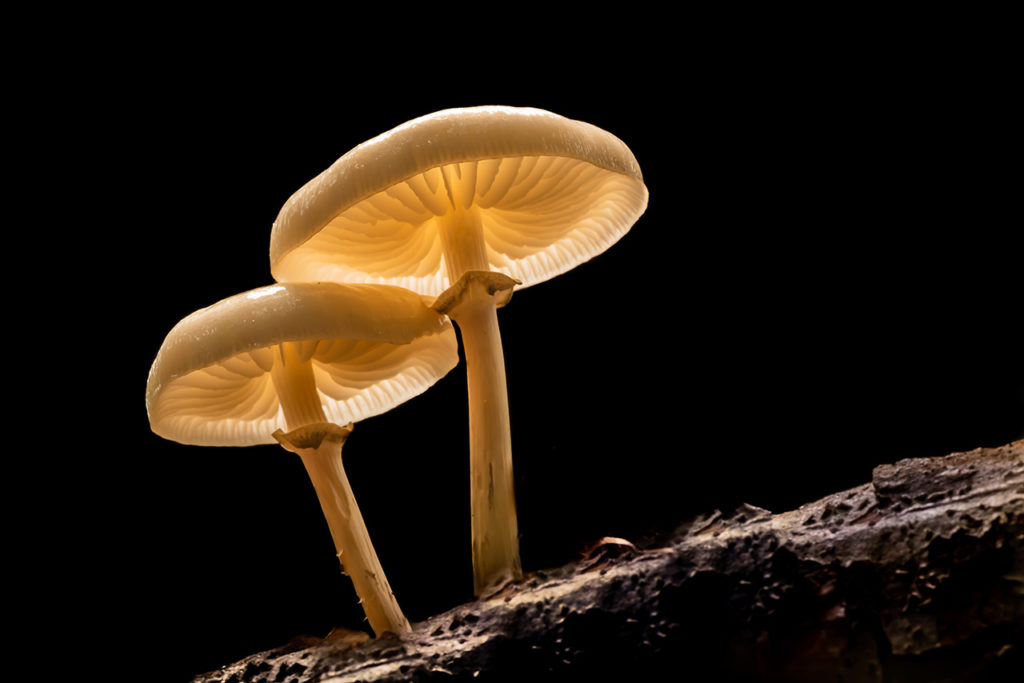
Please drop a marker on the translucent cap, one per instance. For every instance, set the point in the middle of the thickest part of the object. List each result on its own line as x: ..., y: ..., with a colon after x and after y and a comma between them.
x: 371, y: 348
x: 549, y: 192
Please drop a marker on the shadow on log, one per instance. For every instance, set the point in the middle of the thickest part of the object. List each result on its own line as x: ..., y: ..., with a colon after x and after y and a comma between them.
x: 916, y: 576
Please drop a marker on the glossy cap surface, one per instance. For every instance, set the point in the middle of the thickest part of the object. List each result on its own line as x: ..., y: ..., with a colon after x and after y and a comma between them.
x: 371, y: 348
x: 549, y: 192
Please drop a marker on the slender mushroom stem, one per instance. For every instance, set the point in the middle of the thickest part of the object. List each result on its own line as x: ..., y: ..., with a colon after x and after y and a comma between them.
x: 319, y: 445
x: 293, y: 378
x: 492, y: 496
x: 472, y: 302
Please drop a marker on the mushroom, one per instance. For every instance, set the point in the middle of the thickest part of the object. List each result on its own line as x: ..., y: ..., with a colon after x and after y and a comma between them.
x: 291, y: 363
x: 464, y: 204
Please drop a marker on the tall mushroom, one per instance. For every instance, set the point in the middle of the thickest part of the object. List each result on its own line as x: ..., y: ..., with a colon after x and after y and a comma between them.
x: 292, y: 363
x: 464, y: 204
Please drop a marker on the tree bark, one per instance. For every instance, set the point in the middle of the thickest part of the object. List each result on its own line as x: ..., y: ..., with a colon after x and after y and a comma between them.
x: 915, y: 576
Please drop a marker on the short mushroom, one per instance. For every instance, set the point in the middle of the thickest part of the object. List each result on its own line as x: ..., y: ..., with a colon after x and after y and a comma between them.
x: 464, y: 204
x: 291, y: 363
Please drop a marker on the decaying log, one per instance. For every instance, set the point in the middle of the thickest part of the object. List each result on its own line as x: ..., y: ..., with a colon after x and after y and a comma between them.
x: 916, y: 576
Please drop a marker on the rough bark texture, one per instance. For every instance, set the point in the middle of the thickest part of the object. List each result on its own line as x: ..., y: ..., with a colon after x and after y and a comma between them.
x: 916, y: 576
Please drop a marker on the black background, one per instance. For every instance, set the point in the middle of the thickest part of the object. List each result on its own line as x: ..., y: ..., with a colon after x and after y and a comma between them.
x: 825, y: 280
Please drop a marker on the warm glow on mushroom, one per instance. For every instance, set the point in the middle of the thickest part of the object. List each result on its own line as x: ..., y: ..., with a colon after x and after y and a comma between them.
x: 293, y: 363
x: 464, y: 204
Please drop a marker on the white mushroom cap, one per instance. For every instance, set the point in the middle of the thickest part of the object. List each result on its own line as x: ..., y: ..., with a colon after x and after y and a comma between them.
x: 371, y: 347
x: 550, y: 193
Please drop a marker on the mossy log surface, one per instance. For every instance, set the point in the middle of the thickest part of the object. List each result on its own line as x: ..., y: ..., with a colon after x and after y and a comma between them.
x: 915, y: 576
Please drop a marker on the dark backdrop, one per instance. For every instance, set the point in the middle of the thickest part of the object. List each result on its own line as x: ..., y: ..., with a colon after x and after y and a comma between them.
x: 823, y: 281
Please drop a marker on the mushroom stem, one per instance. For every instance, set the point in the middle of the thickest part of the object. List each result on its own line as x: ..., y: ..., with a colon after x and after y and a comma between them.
x: 319, y: 443
x: 319, y: 446
x: 292, y: 375
x: 492, y: 497
x: 473, y: 303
